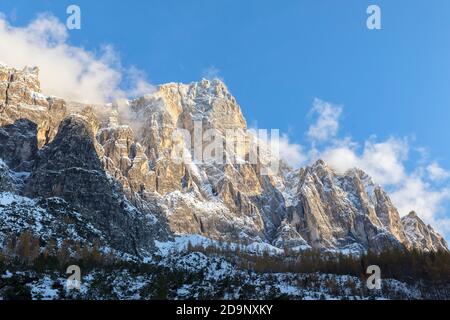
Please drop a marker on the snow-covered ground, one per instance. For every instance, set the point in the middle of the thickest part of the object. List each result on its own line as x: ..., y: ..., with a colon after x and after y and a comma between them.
x: 197, y: 276
x: 181, y: 242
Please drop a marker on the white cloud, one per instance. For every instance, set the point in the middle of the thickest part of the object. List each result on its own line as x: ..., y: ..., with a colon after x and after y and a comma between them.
x: 416, y: 194
x: 290, y: 152
x: 437, y: 173
x: 211, y: 73
x: 381, y: 160
x: 327, y: 123
x: 73, y: 73
x: 139, y: 84
x: 280, y: 147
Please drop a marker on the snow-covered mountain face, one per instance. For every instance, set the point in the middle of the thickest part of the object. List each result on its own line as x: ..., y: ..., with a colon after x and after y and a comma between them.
x: 422, y: 236
x: 111, y: 169
x: 344, y: 211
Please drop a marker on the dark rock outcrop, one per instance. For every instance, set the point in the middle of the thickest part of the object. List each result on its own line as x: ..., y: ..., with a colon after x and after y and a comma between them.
x: 69, y: 168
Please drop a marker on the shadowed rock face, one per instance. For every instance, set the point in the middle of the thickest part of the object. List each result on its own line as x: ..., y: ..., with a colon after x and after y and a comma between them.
x: 62, y: 166
x: 113, y: 166
x: 6, y: 181
x: 18, y: 144
x: 69, y: 168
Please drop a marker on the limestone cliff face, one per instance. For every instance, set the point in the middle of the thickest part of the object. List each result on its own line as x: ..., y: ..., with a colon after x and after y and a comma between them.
x: 114, y: 165
x: 20, y: 98
x: 220, y: 200
x: 422, y: 236
x: 344, y: 211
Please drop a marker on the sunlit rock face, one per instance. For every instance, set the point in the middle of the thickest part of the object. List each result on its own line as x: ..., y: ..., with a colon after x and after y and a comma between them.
x: 421, y: 236
x: 20, y: 98
x: 344, y: 211
x: 115, y: 166
x: 228, y: 200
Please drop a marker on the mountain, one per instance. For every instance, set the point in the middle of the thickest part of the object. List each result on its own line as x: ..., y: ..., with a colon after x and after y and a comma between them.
x: 86, y: 172
x: 422, y: 236
x: 345, y: 211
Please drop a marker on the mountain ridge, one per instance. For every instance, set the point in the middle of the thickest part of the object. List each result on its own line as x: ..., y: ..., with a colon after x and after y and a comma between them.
x: 113, y: 164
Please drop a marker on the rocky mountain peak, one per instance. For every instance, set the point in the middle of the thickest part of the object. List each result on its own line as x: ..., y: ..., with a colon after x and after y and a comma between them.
x: 412, y: 215
x: 422, y: 236
x: 344, y: 210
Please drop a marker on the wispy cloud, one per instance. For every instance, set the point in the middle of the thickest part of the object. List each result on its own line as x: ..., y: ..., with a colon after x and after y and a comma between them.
x: 327, y: 122
x: 415, y: 193
x: 436, y: 172
x: 211, y: 73
x: 384, y: 160
x: 73, y: 73
x: 292, y: 153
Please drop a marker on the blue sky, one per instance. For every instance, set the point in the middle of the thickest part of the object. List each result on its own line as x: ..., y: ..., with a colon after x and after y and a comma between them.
x: 277, y: 57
